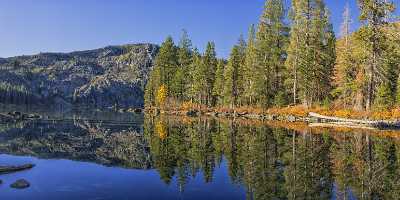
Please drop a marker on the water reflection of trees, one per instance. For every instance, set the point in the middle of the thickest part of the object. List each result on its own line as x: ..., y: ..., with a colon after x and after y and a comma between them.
x: 275, y: 163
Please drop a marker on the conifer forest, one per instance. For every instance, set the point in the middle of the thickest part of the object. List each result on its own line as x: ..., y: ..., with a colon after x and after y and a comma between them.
x: 291, y: 57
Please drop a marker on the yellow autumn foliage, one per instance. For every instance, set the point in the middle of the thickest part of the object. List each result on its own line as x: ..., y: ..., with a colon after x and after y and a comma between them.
x: 162, y: 94
x: 161, y: 130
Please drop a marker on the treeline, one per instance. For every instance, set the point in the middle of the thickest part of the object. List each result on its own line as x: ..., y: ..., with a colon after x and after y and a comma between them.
x: 291, y: 57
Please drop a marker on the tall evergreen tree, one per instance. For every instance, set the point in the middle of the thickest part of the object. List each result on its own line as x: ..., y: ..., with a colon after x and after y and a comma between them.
x: 185, y: 50
x: 250, y: 67
x: 295, y: 48
x: 199, y: 92
x: 375, y: 14
x: 163, y: 74
x: 324, y: 54
x: 167, y: 62
x: 345, y: 27
x: 242, y: 47
x: 209, y: 66
x: 398, y: 92
x: 311, y: 53
x: 149, y: 93
x: 218, y: 90
x: 384, y: 97
x: 231, y: 75
x: 345, y: 68
x: 271, y: 39
x: 181, y: 81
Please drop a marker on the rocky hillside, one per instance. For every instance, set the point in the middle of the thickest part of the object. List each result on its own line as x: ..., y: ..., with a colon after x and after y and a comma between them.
x: 113, y: 76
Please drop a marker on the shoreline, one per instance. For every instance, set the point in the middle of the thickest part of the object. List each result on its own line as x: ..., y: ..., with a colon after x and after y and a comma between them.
x: 312, y: 119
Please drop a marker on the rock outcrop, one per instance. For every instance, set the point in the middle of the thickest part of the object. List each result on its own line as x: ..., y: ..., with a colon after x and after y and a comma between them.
x: 113, y: 76
x: 20, y: 184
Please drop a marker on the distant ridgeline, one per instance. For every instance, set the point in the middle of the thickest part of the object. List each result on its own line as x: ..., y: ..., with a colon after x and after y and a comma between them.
x: 113, y: 76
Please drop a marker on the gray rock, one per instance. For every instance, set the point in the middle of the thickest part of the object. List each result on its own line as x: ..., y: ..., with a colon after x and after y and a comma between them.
x: 253, y: 116
x: 192, y: 113
x: 213, y: 114
x: 110, y: 76
x: 20, y: 184
x: 109, y: 91
x: 291, y: 118
x: 225, y: 114
x: 137, y: 110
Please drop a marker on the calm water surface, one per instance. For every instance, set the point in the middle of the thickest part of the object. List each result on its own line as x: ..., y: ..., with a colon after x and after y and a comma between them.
x: 127, y: 156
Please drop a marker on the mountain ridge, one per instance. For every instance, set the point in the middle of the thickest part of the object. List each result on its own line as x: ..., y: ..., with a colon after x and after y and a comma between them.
x: 112, y: 76
x: 78, y: 51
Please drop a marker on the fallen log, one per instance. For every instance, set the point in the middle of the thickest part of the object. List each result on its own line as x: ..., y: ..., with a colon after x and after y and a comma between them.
x: 341, y: 125
x: 11, y: 169
x: 338, y: 121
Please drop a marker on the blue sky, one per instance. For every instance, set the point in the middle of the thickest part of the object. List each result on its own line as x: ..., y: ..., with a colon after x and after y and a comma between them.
x: 33, y: 26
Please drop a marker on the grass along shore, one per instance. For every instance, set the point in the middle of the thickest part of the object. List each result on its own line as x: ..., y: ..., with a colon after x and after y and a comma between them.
x: 317, y: 115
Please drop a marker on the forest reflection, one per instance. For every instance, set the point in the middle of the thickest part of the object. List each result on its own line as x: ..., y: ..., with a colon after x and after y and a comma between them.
x: 272, y: 162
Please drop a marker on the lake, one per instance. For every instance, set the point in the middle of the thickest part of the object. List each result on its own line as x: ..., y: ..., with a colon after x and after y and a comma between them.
x: 129, y: 156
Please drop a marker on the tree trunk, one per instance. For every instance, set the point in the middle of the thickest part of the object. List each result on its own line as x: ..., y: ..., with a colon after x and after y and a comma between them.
x: 295, y: 84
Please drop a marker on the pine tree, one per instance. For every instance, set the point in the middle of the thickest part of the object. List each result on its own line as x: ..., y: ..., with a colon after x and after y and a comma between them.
x: 398, y: 92
x: 218, y: 90
x: 149, y: 96
x: 166, y: 62
x: 383, y: 98
x: 324, y: 55
x: 164, y: 72
x: 345, y: 27
x: 391, y: 55
x: 231, y: 76
x: 181, y: 81
x: 294, y: 51
x: 242, y: 48
x: 198, y: 91
x: 185, y: 50
x: 345, y: 69
x: 250, y: 67
x: 209, y: 66
x: 271, y: 39
x: 152, y: 85
x: 374, y: 13
x: 311, y: 52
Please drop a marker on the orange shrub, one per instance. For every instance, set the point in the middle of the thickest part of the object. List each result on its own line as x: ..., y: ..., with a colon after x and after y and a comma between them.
x: 298, y: 110
x: 382, y: 115
x: 396, y: 113
x: 250, y: 109
x: 187, y: 105
x: 345, y: 113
